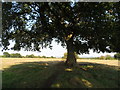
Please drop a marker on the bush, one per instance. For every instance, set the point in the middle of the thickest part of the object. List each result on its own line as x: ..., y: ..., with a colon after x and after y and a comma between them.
x: 102, y: 57
x: 15, y: 55
x: 43, y: 57
x: 117, y: 56
x: 6, y: 54
x: 108, y: 57
x: 30, y: 56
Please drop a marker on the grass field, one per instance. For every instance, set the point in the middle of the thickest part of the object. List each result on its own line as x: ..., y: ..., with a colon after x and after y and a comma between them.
x: 52, y: 73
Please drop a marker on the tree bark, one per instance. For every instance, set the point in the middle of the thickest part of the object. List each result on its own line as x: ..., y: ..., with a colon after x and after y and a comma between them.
x: 71, y: 59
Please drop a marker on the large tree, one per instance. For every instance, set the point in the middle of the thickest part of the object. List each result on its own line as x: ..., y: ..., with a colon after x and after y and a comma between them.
x: 79, y: 26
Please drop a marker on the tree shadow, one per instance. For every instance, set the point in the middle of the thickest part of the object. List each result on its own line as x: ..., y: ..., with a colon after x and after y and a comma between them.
x: 54, y: 74
x: 30, y: 74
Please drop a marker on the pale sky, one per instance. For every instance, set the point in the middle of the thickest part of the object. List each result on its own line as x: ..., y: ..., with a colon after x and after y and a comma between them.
x: 57, y: 51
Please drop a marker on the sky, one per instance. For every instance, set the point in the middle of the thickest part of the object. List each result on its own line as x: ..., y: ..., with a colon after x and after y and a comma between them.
x: 57, y: 51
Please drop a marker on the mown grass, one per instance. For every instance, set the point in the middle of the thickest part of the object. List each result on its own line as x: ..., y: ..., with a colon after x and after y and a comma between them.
x: 49, y: 75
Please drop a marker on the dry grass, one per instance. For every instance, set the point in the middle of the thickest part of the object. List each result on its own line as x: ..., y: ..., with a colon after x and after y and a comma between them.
x: 107, y: 62
x: 7, y: 62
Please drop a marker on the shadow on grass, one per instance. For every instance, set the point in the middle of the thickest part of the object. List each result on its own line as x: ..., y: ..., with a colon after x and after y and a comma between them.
x: 57, y: 75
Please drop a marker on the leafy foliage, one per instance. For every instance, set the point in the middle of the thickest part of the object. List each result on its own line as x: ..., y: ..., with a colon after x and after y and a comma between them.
x: 18, y: 55
x: 107, y: 57
x: 6, y: 54
x: 33, y: 25
x: 30, y: 56
x: 15, y: 55
x: 117, y: 56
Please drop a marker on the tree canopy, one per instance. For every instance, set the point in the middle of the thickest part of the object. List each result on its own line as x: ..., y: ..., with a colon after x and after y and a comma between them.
x: 80, y: 26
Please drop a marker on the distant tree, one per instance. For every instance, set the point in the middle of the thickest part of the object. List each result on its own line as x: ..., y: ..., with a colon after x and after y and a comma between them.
x: 102, y: 57
x: 117, y: 56
x: 79, y: 27
x: 6, y: 54
x: 65, y: 55
x: 76, y: 55
x: 23, y: 56
x: 1, y: 56
x: 44, y: 57
x: 16, y: 55
x: 38, y: 56
x: 108, y: 57
x: 30, y: 56
x: 52, y: 57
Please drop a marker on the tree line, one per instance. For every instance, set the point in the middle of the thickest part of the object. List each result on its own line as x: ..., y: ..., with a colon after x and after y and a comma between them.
x: 18, y: 55
x: 106, y: 57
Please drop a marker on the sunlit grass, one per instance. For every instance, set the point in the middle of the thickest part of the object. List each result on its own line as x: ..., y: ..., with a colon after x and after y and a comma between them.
x: 56, y: 85
x: 87, y: 83
x: 68, y: 69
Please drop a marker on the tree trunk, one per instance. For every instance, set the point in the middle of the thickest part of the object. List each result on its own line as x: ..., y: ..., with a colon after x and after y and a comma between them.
x: 71, y: 59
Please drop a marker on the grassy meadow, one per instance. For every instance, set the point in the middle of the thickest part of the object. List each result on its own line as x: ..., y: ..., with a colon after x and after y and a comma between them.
x: 52, y: 73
